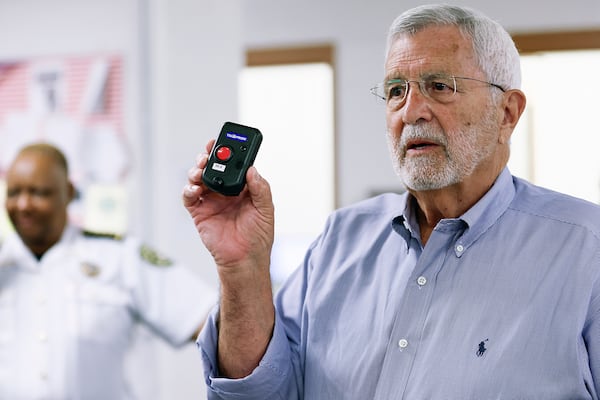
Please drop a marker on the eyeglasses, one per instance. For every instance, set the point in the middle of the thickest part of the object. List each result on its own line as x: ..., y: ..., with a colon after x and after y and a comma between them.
x: 440, y: 88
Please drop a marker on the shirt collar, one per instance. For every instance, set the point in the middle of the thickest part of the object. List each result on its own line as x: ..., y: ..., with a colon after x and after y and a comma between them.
x: 489, y: 208
x: 406, y: 224
x: 14, y: 252
x: 477, y: 219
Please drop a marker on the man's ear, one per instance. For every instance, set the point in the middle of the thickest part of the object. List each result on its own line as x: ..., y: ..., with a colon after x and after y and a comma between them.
x: 513, y: 105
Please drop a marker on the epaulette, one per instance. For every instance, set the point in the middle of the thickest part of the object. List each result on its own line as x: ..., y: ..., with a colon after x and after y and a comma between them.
x: 152, y: 257
x: 104, y: 235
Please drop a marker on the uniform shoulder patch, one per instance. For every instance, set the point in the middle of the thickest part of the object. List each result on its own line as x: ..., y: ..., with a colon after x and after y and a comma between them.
x: 153, y: 257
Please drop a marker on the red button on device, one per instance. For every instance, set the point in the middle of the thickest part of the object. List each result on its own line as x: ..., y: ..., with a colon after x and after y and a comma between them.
x: 224, y: 153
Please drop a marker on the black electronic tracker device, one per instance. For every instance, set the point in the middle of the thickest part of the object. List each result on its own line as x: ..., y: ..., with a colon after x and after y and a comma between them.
x: 231, y: 156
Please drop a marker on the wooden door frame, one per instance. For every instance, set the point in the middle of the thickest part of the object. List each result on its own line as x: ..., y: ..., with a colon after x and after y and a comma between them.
x: 557, y: 41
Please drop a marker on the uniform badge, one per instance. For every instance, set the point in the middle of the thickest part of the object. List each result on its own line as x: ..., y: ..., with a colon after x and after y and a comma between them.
x: 89, y: 269
x: 153, y: 257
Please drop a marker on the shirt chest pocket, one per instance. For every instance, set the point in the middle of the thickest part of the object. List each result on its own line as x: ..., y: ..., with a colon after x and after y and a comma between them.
x: 98, y: 312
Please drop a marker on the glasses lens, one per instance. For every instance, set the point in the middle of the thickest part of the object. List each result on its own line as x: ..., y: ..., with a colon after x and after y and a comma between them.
x: 395, y: 90
x: 439, y: 88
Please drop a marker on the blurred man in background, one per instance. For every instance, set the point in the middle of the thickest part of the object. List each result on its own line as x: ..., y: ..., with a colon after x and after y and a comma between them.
x: 69, y: 299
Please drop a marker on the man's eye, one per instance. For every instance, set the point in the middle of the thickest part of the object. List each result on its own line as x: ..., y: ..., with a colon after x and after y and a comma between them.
x: 440, y: 86
x: 396, y: 91
x: 41, y: 193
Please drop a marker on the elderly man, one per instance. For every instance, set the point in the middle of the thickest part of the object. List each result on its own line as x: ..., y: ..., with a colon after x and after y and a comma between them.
x: 474, y: 284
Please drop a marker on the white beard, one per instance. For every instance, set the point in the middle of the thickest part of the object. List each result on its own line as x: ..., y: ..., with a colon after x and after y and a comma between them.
x: 463, y: 152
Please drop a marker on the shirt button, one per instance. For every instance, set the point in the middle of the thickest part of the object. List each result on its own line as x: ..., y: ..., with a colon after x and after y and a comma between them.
x: 402, y: 343
x: 43, y: 337
x: 43, y: 375
x: 460, y: 248
x: 421, y: 281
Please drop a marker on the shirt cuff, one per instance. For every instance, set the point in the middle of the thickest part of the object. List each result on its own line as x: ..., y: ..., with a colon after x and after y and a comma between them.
x: 271, y: 376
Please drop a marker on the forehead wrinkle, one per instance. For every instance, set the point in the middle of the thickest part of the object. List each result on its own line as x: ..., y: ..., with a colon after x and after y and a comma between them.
x: 417, y: 68
x: 432, y: 50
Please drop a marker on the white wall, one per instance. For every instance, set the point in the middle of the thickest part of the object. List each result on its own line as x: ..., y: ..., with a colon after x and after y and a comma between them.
x: 194, y: 54
x: 182, y: 58
x: 181, y: 61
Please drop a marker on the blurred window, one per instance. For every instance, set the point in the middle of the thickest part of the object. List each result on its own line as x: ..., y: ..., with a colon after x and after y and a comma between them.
x: 289, y: 95
x: 557, y: 140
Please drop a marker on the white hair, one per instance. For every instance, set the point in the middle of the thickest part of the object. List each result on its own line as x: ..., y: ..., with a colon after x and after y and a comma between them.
x: 494, y: 49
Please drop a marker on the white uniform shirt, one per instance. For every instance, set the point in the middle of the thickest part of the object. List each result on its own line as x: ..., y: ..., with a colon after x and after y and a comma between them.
x: 66, y: 320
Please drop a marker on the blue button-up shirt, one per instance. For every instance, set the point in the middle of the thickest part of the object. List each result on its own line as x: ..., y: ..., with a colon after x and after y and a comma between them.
x: 502, y: 303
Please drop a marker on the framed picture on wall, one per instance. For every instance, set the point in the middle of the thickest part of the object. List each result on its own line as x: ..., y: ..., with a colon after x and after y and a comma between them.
x: 76, y: 104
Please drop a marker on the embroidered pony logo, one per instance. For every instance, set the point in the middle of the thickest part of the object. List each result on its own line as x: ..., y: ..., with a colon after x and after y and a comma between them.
x: 481, y: 350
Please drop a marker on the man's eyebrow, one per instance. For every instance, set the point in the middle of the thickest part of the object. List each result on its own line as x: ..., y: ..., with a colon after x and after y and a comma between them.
x: 423, y: 76
x: 436, y: 74
x: 394, y: 77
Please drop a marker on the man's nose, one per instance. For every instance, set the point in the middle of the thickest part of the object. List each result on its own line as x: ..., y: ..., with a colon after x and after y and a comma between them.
x: 416, y: 105
x: 23, y: 201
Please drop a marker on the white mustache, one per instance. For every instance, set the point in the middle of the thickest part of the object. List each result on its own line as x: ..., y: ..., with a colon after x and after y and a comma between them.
x: 421, y: 132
